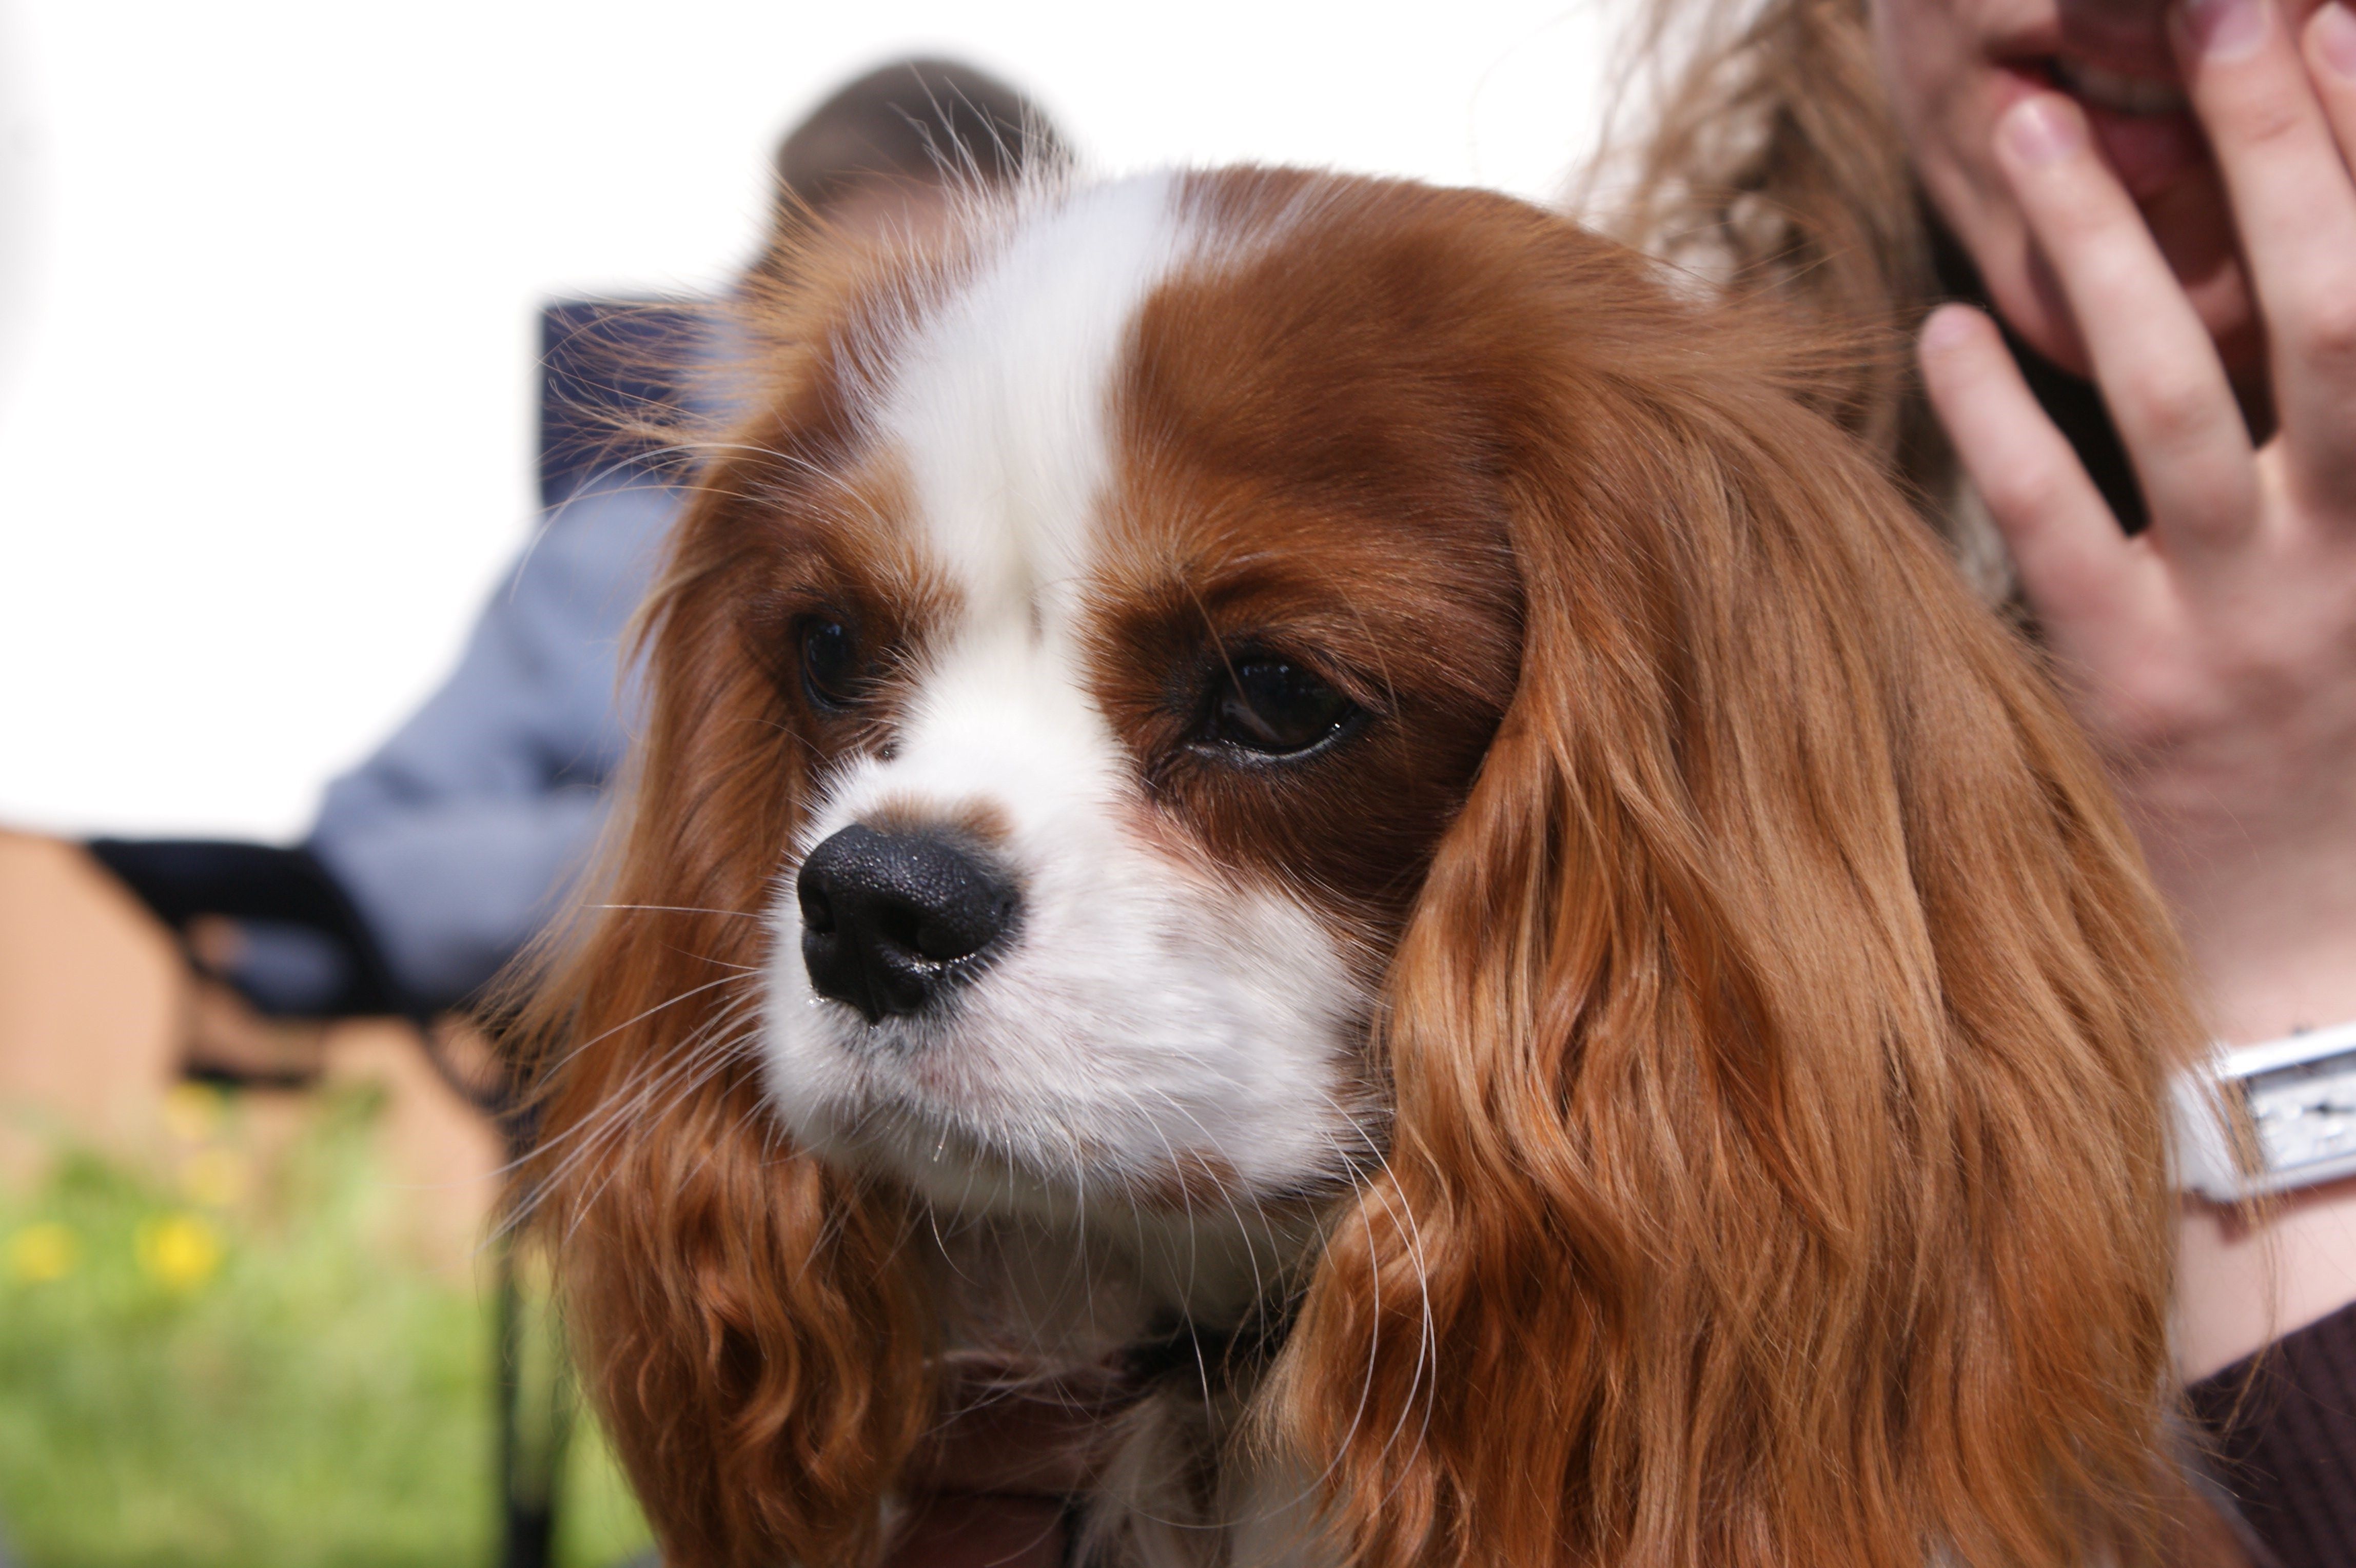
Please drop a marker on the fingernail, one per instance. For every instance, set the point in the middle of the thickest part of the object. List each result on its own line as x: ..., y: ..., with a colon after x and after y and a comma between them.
x: 2225, y: 29
x: 2043, y: 129
x: 2335, y: 38
x: 1947, y: 328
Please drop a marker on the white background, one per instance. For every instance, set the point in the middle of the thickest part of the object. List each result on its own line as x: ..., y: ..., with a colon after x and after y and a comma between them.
x: 269, y: 269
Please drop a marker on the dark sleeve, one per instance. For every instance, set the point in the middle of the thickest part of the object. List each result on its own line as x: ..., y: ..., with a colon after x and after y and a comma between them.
x: 283, y: 896
x: 2284, y: 1426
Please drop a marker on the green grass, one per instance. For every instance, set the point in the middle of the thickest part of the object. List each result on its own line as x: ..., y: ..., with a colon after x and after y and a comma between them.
x: 233, y: 1370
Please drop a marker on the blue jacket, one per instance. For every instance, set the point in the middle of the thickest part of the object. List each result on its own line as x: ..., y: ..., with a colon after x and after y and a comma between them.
x: 459, y: 837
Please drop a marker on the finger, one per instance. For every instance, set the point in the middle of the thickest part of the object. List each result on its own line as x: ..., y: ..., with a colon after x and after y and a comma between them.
x: 2159, y: 371
x: 2075, y: 564
x: 2330, y: 50
x: 2294, y: 204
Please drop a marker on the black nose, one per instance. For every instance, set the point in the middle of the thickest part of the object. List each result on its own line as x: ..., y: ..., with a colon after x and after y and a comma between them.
x: 892, y: 920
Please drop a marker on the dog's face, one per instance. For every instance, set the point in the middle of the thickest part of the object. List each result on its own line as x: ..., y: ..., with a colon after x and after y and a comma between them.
x: 1259, y: 691
x: 1146, y: 633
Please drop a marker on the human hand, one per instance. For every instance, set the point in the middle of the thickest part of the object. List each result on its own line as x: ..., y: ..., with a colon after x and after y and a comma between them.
x: 2213, y: 658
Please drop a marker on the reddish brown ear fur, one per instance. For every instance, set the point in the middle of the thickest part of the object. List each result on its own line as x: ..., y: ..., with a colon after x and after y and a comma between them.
x: 748, y: 1331
x: 1779, y: 1173
x: 748, y: 1324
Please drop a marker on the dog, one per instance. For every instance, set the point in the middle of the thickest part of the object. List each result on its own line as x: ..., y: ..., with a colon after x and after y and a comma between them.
x: 1333, y: 818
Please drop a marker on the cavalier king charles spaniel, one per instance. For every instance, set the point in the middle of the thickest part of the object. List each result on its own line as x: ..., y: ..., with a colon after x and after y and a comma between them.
x: 1329, y: 818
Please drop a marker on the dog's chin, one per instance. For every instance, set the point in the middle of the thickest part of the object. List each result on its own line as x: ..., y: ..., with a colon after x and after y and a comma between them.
x: 885, y: 1100
x: 901, y: 1099
x: 912, y: 1103
x: 940, y: 1155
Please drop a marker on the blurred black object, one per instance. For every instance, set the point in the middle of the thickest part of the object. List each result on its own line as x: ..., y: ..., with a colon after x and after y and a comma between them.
x: 316, y: 957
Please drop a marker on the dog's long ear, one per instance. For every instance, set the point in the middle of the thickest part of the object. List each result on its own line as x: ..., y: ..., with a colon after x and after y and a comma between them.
x: 746, y: 1329
x: 1779, y: 1173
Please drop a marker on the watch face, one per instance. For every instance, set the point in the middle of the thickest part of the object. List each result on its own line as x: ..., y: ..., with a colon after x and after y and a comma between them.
x: 2295, y: 1102
x: 2304, y: 1117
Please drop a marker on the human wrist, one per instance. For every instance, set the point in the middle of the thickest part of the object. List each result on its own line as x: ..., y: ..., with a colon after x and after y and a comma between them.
x: 2268, y: 920
x: 2246, y: 1278
x: 2273, y: 945
x: 2249, y: 1275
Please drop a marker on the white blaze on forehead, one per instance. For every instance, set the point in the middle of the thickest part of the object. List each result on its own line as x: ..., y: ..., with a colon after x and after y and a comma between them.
x: 1001, y: 404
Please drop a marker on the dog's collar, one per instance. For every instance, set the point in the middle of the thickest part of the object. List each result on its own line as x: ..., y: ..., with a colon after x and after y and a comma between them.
x: 1212, y: 1357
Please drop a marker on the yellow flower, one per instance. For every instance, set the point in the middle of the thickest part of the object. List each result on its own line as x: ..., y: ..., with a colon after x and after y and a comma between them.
x: 193, y: 1111
x: 217, y: 1178
x: 179, y: 1251
x: 42, y: 1253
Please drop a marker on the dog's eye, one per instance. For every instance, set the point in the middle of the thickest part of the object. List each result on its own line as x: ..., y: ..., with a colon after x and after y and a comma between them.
x: 1276, y: 708
x: 831, y: 668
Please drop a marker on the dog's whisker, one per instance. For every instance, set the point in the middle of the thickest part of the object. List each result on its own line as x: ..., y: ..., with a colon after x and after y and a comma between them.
x: 678, y: 909
x: 679, y: 1074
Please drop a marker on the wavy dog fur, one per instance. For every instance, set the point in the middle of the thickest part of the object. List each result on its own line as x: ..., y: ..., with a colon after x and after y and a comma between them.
x: 1772, y: 1015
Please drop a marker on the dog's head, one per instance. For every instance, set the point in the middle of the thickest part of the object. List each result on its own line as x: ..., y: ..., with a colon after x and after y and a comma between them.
x: 1260, y: 692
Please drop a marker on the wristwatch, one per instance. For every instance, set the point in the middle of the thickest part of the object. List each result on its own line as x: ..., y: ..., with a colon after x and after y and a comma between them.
x: 2268, y: 1117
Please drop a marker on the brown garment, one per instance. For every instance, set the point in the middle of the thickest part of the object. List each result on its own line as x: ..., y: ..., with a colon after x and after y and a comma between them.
x: 2283, y: 1421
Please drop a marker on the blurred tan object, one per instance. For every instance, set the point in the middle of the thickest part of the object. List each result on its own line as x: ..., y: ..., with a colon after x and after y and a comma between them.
x: 440, y: 1158
x: 92, y: 995
x: 101, y: 1016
